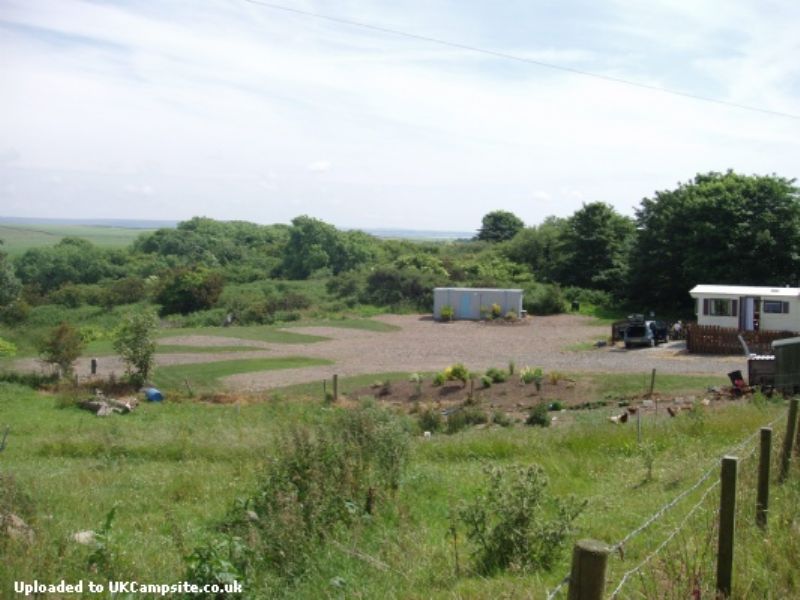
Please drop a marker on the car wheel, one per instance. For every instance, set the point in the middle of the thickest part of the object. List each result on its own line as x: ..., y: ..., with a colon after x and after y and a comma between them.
x: 652, y: 342
x: 628, y: 345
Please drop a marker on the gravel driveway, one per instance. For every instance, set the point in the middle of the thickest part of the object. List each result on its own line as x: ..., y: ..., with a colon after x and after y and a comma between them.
x: 422, y: 344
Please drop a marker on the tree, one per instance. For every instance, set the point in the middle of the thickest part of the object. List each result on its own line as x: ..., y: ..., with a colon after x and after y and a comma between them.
x: 595, y: 243
x: 62, y: 347
x: 135, y: 342
x: 722, y: 228
x: 539, y: 247
x: 315, y: 245
x: 499, y: 226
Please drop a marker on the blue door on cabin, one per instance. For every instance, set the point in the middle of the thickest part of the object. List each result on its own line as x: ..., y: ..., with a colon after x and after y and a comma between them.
x: 464, y: 307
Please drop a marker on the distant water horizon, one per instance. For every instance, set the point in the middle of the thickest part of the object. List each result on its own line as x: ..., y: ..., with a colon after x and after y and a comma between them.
x: 386, y: 233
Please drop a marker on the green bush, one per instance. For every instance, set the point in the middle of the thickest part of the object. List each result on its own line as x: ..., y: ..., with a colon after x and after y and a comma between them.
x: 486, y: 381
x: 544, y: 299
x: 496, y: 311
x: 497, y: 375
x: 515, y: 523
x: 447, y: 313
x: 430, y: 419
x: 538, y: 416
x: 439, y: 379
x: 457, y: 372
x: 317, y: 483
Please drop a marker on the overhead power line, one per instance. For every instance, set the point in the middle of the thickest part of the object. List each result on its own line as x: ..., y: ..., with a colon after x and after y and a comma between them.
x: 522, y: 59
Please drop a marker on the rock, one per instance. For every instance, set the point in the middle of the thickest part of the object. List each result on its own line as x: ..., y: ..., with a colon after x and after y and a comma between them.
x: 15, y: 528
x: 84, y: 537
x: 251, y: 515
x: 705, y: 401
x: 427, y: 435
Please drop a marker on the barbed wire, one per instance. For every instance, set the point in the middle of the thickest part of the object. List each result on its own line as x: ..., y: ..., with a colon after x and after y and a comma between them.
x: 619, y: 546
x: 560, y: 585
x: 666, y: 541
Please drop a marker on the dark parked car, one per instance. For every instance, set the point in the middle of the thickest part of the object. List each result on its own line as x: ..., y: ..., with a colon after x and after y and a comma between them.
x: 645, y: 333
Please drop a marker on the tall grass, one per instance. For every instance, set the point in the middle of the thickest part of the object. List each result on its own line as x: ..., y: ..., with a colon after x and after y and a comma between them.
x: 176, y: 470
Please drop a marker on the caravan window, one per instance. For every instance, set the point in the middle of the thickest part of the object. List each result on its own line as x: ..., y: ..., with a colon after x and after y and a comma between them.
x: 776, y: 306
x: 721, y: 307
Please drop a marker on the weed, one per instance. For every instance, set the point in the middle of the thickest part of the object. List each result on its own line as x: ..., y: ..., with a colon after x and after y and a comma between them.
x: 486, y: 381
x: 447, y: 313
x: 511, y: 367
x: 439, y: 379
x: 553, y: 377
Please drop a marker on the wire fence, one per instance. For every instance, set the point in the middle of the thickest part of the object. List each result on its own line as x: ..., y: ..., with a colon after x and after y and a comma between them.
x: 619, y: 547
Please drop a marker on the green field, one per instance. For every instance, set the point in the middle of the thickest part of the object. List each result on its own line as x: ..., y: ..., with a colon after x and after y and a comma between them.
x: 175, y: 470
x: 19, y: 238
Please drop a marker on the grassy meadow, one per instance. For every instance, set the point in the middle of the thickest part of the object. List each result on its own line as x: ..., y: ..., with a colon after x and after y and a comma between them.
x: 18, y: 238
x: 174, y: 471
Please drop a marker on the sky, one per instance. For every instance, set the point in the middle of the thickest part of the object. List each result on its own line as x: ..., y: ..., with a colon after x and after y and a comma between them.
x: 235, y: 110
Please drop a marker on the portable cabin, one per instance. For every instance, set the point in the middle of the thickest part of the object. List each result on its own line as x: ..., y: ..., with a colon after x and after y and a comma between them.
x: 748, y: 308
x: 787, y: 365
x: 473, y: 303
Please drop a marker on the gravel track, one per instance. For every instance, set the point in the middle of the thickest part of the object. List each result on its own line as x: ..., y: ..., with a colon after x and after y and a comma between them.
x: 422, y: 344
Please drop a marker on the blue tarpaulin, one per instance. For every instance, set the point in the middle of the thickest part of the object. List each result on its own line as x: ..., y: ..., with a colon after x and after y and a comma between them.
x: 153, y: 395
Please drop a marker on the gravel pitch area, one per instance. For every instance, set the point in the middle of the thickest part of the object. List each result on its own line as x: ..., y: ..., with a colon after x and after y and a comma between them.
x: 422, y: 344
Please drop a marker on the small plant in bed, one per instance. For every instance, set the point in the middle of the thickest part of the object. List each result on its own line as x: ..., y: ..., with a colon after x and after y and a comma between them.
x: 497, y: 375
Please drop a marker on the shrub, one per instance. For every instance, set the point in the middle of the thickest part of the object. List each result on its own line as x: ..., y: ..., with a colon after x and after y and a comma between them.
x: 447, y: 313
x: 187, y: 290
x: 515, y: 523
x: 457, y: 372
x: 511, y: 367
x: 7, y: 348
x: 135, y: 342
x: 538, y: 416
x: 544, y: 300
x: 416, y: 379
x: 496, y: 311
x: 439, y: 379
x: 510, y: 316
x: 30, y: 379
x: 15, y: 313
x: 317, y: 483
x: 556, y: 405
x: 553, y: 377
x: 486, y: 381
x: 497, y: 375
x: 430, y: 419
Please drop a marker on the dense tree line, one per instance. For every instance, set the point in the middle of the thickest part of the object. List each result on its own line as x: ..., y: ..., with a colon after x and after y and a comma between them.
x: 716, y: 228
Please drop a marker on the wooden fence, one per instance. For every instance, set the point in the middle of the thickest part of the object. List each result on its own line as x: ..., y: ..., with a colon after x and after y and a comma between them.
x: 712, y: 339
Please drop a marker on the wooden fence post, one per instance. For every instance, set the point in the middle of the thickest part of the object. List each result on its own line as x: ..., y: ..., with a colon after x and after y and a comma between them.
x: 762, y: 499
x: 652, y: 383
x: 786, y: 451
x: 587, y: 578
x: 727, y: 518
x: 335, y: 387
